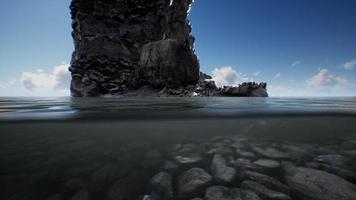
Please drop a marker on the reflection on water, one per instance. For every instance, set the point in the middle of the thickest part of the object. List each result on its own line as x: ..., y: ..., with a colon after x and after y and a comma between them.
x: 211, y: 148
x: 84, y: 108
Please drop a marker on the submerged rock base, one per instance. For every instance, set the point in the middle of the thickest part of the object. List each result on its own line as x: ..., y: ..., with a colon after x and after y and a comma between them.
x: 219, y: 168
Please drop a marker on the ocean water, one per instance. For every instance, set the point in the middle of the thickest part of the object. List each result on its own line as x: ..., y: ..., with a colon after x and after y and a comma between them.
x: 151, y: 148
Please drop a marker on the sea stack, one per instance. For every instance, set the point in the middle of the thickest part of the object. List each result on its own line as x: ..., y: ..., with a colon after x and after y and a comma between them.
x: 135, y: 47
x: 122, y: 45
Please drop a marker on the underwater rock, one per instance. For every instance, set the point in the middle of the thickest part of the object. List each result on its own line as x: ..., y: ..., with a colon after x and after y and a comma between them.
x: 221, y: 172
x: 224, y: 193
x: 188, y: 161
x: 56, y: 197
x: 270, y: 152
x: 81, y: 195
x: 217, y: 192
x: 343, y: 173
x: 161, y: 185
x: 126, y: 46
x: 331, y: 159
x: 265, y: 180
x: 267, y: 163
x: 193, y: 182
x: 298, y: 152
x: 245, y: 154
x: 263, y: 191
x: 309, y: 183
x: 147, y: 197
x: 243, y: 163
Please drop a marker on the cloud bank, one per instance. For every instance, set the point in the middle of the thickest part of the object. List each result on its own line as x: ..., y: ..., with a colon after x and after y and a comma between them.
x: 53, y: 82
x: 324, y: 79
x: 350, y: 65
x: 227, y: 76
x: 58, y: 79
x: 323, y: 83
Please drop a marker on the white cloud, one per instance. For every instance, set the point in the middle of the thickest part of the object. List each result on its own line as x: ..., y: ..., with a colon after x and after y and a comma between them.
x: 278, y: 75
x: 296, y: 63
x: 324, y: 83
x: 350, y: 65
x: 58, y: 79
x: 325, y: 79
x: 7, y: 84
x: 227, y: 76
x: 62, y: 77
x: 257, y: 73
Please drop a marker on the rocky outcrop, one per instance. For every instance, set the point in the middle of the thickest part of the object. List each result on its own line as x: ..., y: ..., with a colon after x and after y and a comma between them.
x: 125, y: 44
x: 132, y: 47
x: 208, y: 88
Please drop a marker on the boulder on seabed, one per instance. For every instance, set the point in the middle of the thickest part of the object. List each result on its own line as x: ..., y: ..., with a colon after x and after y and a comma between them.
x: 224, y: 193
x: 193, y: 183
x: 267, y: 163
x: 268, y: 181
x: 263, y: 191
x: 161, y: 185
x: 221, y: 171
x: 307, y: 183
x: 270, y: 152
x: 81, y: 195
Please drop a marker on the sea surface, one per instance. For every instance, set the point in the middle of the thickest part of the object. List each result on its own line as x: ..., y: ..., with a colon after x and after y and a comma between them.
x: 177, y: 148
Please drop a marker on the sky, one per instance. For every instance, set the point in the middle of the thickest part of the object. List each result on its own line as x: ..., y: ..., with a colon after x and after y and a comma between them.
x: 299, y: 47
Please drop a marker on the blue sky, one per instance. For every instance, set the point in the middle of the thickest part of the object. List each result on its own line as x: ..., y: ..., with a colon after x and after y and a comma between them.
x: 299, y: 47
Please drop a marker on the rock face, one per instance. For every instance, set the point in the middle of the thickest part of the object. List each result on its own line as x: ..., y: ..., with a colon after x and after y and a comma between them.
x: 125, y: 44
x: 132, y: 47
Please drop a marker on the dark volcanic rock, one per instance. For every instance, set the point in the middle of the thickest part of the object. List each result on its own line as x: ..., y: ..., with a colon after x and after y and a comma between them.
x: 245, y: 89
x: 133, y: 47
x: 126, y: 44
x: 167, y: 63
